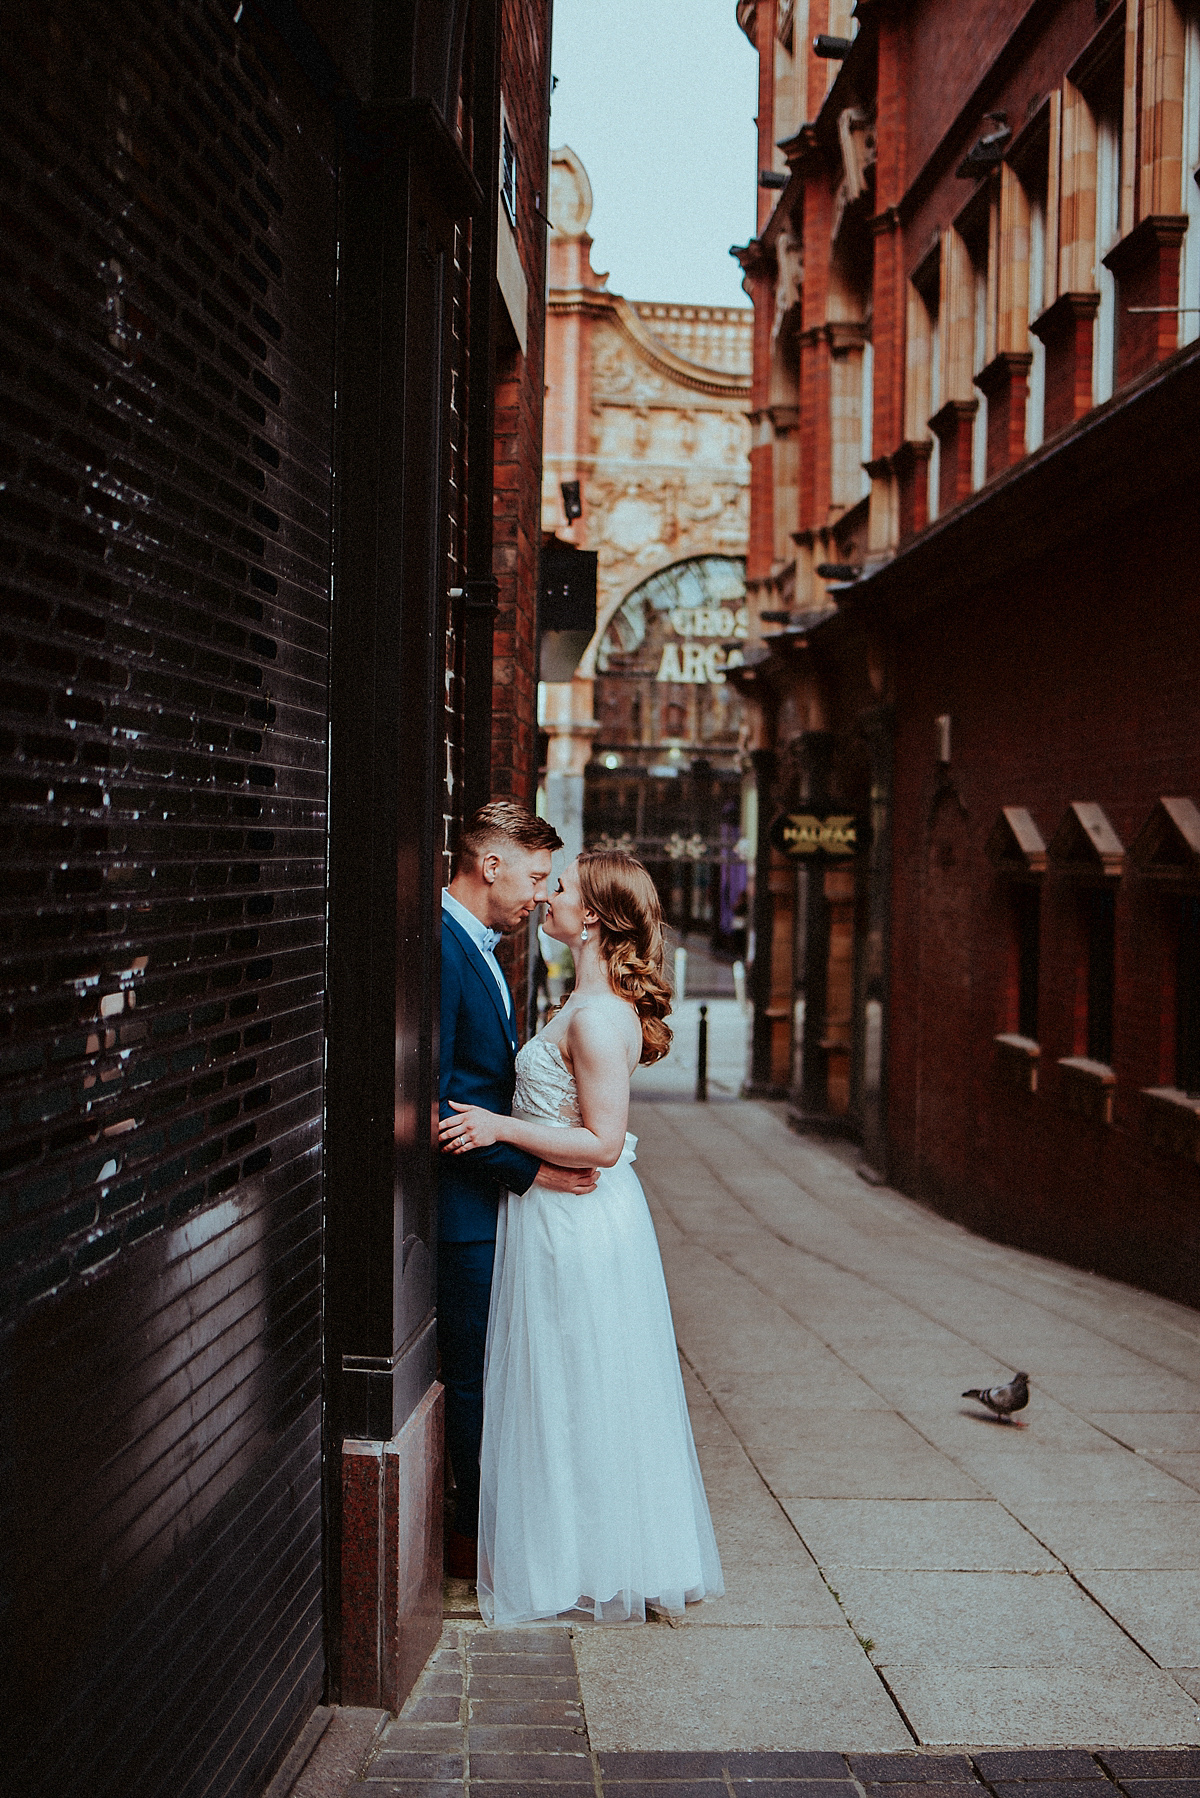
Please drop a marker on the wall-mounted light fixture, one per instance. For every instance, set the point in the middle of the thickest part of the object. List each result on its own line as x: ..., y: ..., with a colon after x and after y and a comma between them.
x: 987, y: 152
x: 833, y: 49
x: 572, y: 501
x: 942, y: 726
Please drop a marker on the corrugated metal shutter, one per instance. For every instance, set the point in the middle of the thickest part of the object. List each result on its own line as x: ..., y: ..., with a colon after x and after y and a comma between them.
x: 167, y: 206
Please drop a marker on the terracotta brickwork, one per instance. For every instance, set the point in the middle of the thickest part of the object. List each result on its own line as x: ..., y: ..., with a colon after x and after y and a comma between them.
x: 971, y: 297
x: 525, y: 51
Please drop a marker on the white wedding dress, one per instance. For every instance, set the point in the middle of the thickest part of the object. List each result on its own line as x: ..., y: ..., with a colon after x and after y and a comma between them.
x: 590, y: 1491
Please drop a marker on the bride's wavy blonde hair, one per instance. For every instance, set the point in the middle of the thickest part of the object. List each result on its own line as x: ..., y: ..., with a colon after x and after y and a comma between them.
x: 618, y: 889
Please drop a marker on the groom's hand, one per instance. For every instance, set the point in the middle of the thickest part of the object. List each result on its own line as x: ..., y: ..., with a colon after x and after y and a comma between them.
x: 567, y: 1179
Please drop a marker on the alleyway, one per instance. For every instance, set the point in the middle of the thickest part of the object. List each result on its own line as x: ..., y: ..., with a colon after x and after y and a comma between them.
x: 902, y: 1572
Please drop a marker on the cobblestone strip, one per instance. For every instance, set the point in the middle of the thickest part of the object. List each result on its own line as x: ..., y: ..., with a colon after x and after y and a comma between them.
x: 498, y: 1714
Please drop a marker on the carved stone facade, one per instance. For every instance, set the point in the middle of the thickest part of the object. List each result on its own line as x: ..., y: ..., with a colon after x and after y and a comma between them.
x: 646, y: 408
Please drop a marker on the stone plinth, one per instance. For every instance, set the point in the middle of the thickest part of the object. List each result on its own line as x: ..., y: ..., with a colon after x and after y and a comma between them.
x: 392, y: 1558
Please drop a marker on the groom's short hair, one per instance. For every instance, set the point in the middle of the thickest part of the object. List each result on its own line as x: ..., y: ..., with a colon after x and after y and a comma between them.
x: 504, y: 819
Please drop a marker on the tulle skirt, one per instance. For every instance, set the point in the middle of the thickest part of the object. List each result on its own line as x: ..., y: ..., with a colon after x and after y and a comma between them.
x: 590, y: 1491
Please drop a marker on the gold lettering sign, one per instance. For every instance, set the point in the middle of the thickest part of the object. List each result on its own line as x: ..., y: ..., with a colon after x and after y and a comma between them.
x: 800, y: 833
x: 697, y: 664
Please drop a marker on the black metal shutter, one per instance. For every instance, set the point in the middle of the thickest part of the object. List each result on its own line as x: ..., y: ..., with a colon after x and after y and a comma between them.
x: 167, y: 209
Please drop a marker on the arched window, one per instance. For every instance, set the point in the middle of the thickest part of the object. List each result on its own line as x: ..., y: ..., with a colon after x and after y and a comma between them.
x: 687, y: 611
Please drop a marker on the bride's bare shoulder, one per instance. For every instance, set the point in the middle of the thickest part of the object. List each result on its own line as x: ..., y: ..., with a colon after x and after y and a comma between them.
x: 602, y: 1021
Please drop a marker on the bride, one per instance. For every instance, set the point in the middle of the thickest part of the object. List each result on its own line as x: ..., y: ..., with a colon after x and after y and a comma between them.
x: 590, y: 1491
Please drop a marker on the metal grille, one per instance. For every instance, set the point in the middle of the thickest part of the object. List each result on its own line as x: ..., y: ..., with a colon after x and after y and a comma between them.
x: 167, y: 210
x: 165, y: 596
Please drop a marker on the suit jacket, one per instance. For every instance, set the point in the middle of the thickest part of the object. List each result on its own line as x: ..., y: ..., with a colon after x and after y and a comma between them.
x: 478, y: 1044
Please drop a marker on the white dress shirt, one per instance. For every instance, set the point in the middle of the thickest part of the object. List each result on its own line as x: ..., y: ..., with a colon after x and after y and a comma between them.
x: 485, y: 941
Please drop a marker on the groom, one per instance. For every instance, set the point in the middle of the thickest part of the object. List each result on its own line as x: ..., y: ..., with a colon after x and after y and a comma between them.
x: 500, y: 877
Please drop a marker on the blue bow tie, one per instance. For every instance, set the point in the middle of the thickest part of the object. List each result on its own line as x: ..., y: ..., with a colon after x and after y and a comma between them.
x: 489, y: 940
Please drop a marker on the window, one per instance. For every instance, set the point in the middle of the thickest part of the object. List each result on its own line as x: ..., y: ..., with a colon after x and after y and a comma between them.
x: 1106, y: 99
x: 1189, y: 271
x: 972, y: 317
x: 1027, y: 917
x: 1100, y: 922
x: 508, y: 168
x: 935, y: 404
x: 979, y: 358
x: 922, y: 372
x: 1031, y: 164
x: 866, y: 409
x: 1035, y: 405
x: 1187, y: 999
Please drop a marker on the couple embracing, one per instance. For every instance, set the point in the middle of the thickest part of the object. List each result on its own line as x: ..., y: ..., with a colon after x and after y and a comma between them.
x: 565, y: 1414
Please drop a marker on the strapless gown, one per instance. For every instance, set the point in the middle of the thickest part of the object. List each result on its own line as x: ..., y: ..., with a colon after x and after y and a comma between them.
x: 590, y: 1491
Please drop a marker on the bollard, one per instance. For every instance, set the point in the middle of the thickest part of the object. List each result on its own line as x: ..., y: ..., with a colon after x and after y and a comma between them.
x: 702, y: 1058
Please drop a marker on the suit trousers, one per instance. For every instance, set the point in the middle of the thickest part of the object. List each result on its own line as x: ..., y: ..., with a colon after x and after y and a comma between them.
x: 464, y: 1288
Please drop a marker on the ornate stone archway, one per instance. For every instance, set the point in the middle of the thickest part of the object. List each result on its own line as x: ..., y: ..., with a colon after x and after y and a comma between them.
x: 646, y: 408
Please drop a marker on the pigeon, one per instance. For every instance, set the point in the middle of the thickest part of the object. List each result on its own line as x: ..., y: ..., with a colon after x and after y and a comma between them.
x: 1001, y: 1400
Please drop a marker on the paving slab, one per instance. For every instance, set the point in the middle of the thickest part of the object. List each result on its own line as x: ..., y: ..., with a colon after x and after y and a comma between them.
x: 1160, y: 1610
x: 1152, y: 1388
x: 773, y: 1596
x: 1172, y: 1431
x: 985, y: 1620
x: 1026, y: 1593
x: 967, y: 1535
x: 860, y: 1469
x: 820, y: 1381
x: 1117, y: 1533
x: 733, y: 1688
x: 1073, y: 1475
x: 962, y: 1429
x: 1029, y: 1706
x: 1059, y: 1765
x: 1185, y: 1468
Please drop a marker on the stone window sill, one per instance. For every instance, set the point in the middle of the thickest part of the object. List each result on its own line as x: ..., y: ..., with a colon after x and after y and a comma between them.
x: 1018, y: 1057
x: 1172, y: 1121
x: 1088, y: 1088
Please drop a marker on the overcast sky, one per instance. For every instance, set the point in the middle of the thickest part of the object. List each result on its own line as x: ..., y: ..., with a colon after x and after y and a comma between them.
x: 657, y: 99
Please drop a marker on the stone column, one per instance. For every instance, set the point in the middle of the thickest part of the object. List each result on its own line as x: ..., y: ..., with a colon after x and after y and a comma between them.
x: 1146, y: 267
x: 911, y: 466
x: 1066, y: 329
x: 953, y: 426
x: 1005, y: 384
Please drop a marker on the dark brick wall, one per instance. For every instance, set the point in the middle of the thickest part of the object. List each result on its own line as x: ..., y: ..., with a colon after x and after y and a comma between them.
x: 166, y: 407
x: 525, y: 51
x: 1078, y: 680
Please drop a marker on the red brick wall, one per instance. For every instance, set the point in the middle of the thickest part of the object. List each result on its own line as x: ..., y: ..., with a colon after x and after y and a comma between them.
x: 525, y: 48
x: 1081, y: 682
x: 950, y: 47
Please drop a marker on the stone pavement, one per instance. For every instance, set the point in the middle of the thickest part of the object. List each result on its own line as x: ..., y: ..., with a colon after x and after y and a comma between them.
x: 917, y: 1595
x: 728, y: 1045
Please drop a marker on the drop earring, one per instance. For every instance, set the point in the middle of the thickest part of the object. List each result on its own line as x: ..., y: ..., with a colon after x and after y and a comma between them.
x: 583, y: 935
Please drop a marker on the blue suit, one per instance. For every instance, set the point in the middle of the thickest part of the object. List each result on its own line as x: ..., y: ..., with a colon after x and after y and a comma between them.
x: 478, y: 1046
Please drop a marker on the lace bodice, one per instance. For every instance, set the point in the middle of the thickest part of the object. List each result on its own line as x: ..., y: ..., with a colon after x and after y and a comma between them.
x: 545, y: 1085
